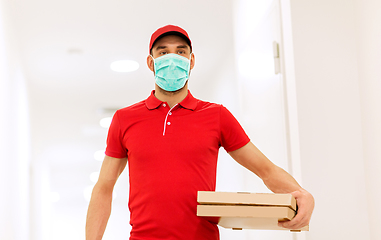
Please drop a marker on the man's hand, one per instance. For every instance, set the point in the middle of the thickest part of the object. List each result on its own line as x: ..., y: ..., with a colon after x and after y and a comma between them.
x: 306, y: 203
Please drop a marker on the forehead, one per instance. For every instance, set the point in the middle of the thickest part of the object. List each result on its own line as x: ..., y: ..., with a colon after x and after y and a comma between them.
x: 170, y: 40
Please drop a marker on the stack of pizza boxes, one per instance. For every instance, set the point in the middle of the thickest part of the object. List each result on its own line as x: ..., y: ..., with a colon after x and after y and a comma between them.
x: 248, y: 210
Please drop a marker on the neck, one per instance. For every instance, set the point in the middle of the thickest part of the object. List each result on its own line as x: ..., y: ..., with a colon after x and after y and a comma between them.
x: 172, y: 98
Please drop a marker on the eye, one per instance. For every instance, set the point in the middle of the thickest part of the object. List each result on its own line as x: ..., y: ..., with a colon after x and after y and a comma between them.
x: 181, y: 52
x: 163, y: 53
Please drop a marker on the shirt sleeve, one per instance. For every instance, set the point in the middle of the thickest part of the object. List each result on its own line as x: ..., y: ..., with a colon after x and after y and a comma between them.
x: 115, y: 146
x: 233, y: 136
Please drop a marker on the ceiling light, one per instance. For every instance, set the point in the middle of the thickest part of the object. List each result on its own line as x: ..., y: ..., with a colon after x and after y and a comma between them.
x: 124, y: 66
x: 105, y: 122
x: 94, y: 176
x: 74, y: 51
x: 87, y: 192
x: 99, y: 155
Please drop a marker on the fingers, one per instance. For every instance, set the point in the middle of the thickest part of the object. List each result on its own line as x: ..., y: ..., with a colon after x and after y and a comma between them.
x: 299, y: 221
x: 305, y: 204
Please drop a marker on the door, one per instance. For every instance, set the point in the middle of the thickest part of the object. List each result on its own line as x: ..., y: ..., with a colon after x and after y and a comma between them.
x: 261, y: 91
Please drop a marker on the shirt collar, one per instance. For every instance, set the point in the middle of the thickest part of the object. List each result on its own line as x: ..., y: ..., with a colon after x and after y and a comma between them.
x: 189, y: 101
x: 152, y: 102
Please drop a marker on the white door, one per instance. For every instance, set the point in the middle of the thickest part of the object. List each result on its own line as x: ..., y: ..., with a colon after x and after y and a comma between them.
x: 262, y: 95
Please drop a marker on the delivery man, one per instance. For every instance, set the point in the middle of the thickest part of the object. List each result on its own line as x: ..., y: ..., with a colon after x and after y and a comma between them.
x: 170, y: 142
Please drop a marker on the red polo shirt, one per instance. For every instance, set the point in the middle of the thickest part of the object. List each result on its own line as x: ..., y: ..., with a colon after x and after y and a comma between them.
x: 172, y: 154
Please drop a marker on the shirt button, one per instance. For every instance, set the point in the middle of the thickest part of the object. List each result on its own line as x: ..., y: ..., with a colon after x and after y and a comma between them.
x: 164, y: 105
x: 170, y: 113
x: 169, y: 123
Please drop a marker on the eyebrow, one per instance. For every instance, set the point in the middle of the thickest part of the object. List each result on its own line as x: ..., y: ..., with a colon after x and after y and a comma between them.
x: 164, y: 47
x: 161, y: 47
x: 182, y: 46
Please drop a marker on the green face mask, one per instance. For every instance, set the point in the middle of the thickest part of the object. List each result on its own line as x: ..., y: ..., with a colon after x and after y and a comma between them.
x: 171, y: 71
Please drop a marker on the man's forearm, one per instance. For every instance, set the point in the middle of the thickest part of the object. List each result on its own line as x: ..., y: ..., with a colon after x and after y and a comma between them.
x: 98, y: 213
x: 280, y: 181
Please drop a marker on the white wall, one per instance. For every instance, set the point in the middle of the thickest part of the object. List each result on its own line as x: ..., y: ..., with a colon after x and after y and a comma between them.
x: 14, y: 138
x: 333, y: 56
x: 369, y: 65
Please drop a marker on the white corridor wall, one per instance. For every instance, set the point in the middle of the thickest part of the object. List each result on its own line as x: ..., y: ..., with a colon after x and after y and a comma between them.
x: 368, y: 30
x: 14, y: 138
x: 335, y: 52
x: 332, y: 65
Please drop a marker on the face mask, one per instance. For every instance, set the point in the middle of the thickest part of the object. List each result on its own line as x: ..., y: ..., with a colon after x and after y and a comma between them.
x: 171, y: 71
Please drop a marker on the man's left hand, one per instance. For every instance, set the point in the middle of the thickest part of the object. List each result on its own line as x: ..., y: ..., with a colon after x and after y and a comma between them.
x: 306, y: 204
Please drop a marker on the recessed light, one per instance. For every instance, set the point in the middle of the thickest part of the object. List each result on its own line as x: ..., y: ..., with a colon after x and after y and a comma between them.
x: 94, y: 176
x: 87, y: 192
x: 74, y: 51
x: 99, y: 155
x: 105, y: 122
x: 124, y: 66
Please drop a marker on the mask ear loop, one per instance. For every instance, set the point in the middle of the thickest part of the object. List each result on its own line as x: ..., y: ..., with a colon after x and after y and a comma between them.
x: 154, y: 65
x: 190, y: 61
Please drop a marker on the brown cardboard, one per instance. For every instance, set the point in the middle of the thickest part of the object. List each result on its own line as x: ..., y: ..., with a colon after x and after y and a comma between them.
x: 248, y: 210
x: 279, y: 213
x: 232, y: 198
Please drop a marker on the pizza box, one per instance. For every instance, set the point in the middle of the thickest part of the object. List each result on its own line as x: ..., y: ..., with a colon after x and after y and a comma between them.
x: 246, y: 198
x: 248, y: 210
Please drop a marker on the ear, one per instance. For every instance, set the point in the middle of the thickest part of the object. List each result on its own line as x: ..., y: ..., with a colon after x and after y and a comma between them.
x: 150, y: 63
x: 192, y: 61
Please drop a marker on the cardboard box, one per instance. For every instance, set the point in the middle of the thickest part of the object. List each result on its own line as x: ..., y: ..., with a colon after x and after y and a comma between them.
x: 248, y: 210
x: 246, y: 198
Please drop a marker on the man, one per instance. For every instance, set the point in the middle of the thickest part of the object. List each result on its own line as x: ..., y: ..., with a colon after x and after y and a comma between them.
x: 171, y: 141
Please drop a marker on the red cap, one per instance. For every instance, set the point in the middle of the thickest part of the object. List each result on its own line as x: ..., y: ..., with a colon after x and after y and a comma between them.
x: 169, y: 30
